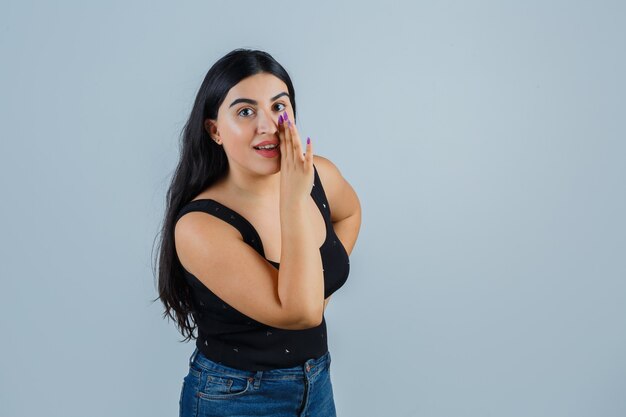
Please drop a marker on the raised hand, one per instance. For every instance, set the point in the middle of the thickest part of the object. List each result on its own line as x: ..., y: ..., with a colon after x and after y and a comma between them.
x: 296, y: 168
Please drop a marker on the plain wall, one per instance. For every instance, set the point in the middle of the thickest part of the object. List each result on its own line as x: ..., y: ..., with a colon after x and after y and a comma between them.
x: 484, y: 139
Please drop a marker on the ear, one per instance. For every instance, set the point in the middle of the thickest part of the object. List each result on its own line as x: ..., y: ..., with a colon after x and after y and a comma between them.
x: 210, y: 126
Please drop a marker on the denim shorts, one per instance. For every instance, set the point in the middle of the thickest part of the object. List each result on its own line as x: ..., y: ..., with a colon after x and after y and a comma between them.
x: 214, y: 389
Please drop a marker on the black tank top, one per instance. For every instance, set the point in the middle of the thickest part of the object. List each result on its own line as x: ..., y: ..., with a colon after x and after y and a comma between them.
x: 229, y: 337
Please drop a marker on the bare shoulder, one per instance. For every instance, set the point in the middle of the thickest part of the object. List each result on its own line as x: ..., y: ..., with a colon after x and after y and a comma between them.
x: 342, y: 198
x: 191, y: 227
x: 195, y: 223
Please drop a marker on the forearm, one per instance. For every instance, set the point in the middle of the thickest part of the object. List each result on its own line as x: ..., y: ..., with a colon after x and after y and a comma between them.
x: 301, y: 279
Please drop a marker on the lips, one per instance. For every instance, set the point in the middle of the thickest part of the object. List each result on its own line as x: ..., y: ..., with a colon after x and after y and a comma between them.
x: 268, y: 153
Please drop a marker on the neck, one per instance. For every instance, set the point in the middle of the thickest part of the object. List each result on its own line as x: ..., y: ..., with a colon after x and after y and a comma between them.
x: 252, y: 187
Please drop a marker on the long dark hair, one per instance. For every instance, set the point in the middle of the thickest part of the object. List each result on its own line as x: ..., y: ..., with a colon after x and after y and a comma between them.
x: 201, y: 163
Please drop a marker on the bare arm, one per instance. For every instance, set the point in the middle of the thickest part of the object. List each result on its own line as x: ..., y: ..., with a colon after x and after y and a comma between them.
x: 347, y: 230
x: 301, y: 276
x: 344, y: 202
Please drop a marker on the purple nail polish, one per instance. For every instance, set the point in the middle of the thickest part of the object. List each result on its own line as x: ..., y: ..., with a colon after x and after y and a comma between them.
x: 280, y: 119
x: 308, y: 140
x: 286, y: 116
x: 289, y: 123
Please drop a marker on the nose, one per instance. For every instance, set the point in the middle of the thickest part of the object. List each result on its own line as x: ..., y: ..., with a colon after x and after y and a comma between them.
x: 266, y: 123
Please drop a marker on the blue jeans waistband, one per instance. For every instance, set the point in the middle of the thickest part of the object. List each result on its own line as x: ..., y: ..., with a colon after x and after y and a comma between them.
x: 311, y: 366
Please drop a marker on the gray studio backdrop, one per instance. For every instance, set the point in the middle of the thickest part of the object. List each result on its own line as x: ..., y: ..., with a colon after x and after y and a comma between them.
x: 485, y: 141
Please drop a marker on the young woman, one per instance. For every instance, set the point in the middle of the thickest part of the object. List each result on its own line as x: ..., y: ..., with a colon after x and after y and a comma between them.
x: 250, y: 250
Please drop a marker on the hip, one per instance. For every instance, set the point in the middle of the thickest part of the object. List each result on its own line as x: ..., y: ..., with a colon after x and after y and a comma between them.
x: 214, y: 389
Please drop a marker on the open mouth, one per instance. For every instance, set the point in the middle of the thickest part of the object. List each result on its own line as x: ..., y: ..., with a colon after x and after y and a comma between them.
x: 266, y: 148
x: 268, y: 153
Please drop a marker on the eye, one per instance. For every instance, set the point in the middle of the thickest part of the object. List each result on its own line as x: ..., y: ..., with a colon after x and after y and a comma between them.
x: 246, y: 108
x: 279, y: 107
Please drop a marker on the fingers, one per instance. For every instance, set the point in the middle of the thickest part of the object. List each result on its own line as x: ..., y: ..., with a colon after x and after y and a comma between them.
x: 309, y: 152
x: 288, y: 155
x: 294, y: 138
x: 291, y: 145
x: 283, y: 139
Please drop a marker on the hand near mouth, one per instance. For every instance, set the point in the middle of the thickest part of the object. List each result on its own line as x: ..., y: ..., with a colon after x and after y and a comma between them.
x: 296, y: 168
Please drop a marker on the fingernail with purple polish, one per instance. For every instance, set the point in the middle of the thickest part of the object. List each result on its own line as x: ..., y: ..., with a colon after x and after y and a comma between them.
x: 280, y: 119
x: 308, y: 140
x: 286, y: 116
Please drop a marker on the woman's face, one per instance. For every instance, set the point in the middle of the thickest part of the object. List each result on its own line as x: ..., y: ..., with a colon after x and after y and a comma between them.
x: 249, y: 116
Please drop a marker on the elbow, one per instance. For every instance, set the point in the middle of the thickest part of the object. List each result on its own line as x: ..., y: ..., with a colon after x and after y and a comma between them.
x: 315, y: 319
x: 302, y: 319
x: 302, y: 323
x: 308, y: 321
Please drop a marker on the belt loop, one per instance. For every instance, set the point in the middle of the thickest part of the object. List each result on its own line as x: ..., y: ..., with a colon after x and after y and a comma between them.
x: 257, y: 379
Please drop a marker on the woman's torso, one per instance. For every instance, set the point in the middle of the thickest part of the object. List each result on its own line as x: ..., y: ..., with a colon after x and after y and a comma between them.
x: 230, y: 337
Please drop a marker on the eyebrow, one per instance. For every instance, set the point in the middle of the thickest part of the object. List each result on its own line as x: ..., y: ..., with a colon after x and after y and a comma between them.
x: 248, y: 100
